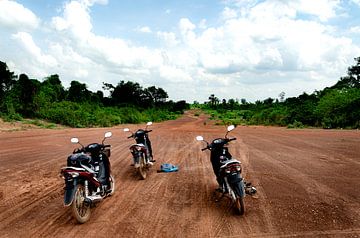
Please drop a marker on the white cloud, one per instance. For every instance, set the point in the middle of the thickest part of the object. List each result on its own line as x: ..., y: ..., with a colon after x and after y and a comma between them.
x: 76, y: 18
x: 92, y: 2
x: 16, y: 17
x: 229, y: 13
x: 144, y: 29
x: 202, y: 24
x: 356, y: 2
x: 26, y: 41
x: 324, y: 9
x: 174, y: 74
x: 169, y: 38
x: 267, y: 37
x: 355, y: 29
x: 257, y: 50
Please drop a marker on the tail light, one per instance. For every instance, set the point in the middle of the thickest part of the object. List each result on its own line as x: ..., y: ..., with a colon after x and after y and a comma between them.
x: 74, y: 174
x: 69, y: 174
x: 233, y: 168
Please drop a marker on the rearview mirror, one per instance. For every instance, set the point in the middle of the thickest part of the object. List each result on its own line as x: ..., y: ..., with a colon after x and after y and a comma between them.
x: 74, y: 140
x: 108, y: 134
x: 149, y: 123
x: 199, y: 138
x: 126, y: 129
x: 230, y: 128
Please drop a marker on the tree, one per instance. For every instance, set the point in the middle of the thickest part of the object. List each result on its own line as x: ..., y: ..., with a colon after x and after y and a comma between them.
x: 53, y: 88
x: 158, y: 94
x: 7, y: 80
x: 268, y: 101
x: 352, y: 80
x: 231, y: 103
x: 23, y: 94
x: 78, y: 92
x: 282, y: 96
x: 213, y: 100
x: 126, y: 93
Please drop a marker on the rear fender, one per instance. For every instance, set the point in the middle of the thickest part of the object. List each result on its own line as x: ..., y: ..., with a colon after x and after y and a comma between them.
x: 137, y: 157
x: 239, y: 188
x: 70, y: 189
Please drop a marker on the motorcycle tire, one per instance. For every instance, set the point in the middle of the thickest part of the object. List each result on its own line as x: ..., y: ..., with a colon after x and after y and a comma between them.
x: 112, y: 185
x: 80, y: 210
x: 142, y: 169
x: 239, y: 205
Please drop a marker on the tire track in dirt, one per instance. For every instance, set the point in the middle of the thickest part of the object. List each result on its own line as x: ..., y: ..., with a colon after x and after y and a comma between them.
x: 326, y: 206
x: 182, y: 204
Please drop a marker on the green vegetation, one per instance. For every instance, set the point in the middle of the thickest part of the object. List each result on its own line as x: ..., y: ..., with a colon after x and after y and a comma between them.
x: 333, y: 107
x: 21, y: 97
x: 337, y: 106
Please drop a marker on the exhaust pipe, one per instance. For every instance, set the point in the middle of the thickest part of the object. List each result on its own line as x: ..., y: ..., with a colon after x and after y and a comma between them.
x: 93, y: 199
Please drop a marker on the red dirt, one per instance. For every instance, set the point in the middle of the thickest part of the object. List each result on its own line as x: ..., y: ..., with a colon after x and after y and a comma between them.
x: 307, y: 180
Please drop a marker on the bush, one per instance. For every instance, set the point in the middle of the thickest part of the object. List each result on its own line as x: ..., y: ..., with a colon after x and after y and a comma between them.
x: 296, y: 124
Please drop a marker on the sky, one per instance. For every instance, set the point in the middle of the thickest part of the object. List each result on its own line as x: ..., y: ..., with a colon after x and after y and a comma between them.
x: 240, y: 49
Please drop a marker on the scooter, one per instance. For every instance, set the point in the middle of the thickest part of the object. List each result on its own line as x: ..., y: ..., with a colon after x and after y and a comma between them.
x: 87, y: 177
x: 141, y: 151
x: 228, y: 171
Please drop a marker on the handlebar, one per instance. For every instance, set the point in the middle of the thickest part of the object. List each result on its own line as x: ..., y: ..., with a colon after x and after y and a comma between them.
x: 232, y: 139
x: 147, y: 131
x: 204, y: 148
x: 106, y: 146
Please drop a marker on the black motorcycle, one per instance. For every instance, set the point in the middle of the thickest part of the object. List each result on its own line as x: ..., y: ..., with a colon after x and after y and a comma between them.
x: 87, y: 177
x: 228, y: 171
x: 141, y: 151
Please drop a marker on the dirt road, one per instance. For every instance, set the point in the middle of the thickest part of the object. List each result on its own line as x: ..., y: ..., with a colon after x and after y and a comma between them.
x: 307, y: 180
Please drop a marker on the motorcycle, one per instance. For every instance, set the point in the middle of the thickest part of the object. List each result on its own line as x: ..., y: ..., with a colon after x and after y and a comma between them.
x: 141, y: 151
x: 228, y: 171
x: 87, y: 177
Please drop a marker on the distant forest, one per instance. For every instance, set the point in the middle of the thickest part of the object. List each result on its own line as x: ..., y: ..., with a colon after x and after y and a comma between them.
x: 128, y: 102
x: 337, y: 106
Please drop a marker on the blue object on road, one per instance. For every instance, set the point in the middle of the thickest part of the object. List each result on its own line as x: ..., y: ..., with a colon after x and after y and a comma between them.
x: 167, y: 168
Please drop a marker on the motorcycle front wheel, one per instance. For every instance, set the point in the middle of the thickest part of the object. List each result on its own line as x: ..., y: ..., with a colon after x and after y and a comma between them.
x: 239, y: 205
x: 80, y: 210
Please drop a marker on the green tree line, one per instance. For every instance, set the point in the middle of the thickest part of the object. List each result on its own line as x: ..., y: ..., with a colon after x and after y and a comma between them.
x: 337, y: 106
x: 128, y: 102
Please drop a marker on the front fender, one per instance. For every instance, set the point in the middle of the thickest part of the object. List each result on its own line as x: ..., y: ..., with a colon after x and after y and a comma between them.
x: 70, y: 189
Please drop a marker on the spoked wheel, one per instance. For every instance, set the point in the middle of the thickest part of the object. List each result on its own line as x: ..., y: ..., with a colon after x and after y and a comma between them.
x: 80, y: 210
x: 142, y: 168
x: 239, y: 205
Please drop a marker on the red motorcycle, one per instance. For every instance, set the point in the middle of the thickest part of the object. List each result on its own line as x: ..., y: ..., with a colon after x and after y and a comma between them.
x: 87, y: 177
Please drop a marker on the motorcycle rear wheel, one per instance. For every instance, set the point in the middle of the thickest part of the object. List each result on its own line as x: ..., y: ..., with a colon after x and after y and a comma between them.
x: 239, y: 205
x: 80, y: 210
x: 142, y: 169
x: 112, y: 185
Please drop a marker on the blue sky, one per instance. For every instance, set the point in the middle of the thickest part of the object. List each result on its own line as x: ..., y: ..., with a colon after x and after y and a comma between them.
x: 231, y: 48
